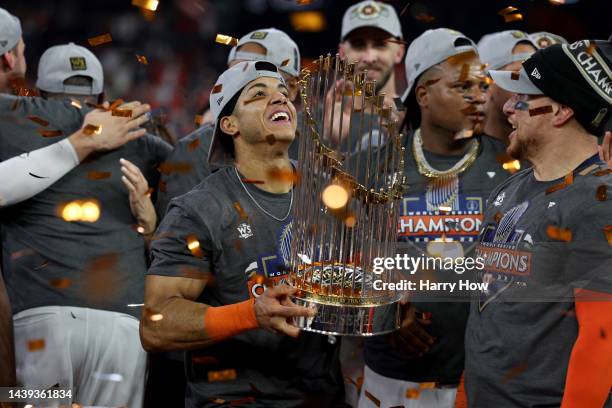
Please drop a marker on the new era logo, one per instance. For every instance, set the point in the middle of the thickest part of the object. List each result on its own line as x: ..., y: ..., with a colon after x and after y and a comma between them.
x: 536, y: 74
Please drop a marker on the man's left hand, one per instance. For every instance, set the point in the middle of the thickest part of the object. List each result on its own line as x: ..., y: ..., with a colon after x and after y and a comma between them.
x: 140, y: 200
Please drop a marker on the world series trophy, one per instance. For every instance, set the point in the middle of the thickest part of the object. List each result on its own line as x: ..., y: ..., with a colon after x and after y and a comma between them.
x: 345, y: 219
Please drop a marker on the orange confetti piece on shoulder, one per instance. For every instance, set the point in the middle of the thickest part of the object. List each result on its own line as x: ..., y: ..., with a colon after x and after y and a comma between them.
x: 226, y: 39
x: 193, y: 145
x: 222, y: 375
x: 61, y: 283
x: 100, y: 39
x: 39, y: 121
x: 98, y: 175
x: 36, y: 344
x: 240, y: 211
x: 50, y: 133
x: 412, y: 393
x: 558, y: 234
x: 602, y: 193
x: 175, y: 167
x: 569, y: 179
x: 372, y: 398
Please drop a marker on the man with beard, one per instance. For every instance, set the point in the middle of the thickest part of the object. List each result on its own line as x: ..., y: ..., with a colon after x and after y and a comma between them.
x: 220, y: 245
x: 450, y: 171
x: 547, y: 313
x: 372, y: 37
x: 504, y: 51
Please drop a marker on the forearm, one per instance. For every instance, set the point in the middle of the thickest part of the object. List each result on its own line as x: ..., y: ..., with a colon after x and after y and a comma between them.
x: 186, y: 324
x: 26, y: 175
x: 7, y: 354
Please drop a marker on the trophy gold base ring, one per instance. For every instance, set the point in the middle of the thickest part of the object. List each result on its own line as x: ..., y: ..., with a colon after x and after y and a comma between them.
x: 349, y: 320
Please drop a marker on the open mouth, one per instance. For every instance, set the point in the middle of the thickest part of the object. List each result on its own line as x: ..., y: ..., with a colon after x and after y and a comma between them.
x: 280, y: 117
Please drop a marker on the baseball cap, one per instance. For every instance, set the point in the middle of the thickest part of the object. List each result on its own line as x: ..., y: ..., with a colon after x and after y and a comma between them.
x: 496, y: 49
x: 543, y: 39
x: 10, y: 31
x: 281, y: 50
x: 431, y: 48
x: 578, y: 75
x: 227, y: 86
x: 61, y: 62
x: 371, y: 14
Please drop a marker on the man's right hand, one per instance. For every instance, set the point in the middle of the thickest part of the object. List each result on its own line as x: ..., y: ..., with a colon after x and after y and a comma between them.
x: 412, y: 338
x: 274, y: 310
x: 115, y: 131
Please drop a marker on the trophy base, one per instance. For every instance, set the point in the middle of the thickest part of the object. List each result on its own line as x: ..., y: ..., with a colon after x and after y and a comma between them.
x: 349, y: 320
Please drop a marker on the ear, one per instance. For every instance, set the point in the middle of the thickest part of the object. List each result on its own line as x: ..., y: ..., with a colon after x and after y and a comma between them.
x: 8, y: 60
x: 341, y: 50
x: 292, y: 86
x: 422, y: 95
x: 399, y: 53
x: 563, y: 115
x: 229, y: 125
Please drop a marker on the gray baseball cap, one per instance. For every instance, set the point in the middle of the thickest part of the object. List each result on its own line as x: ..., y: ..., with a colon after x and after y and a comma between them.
x: 431, y: 48
x: 61, y: 62
x: 230, y: 83
x: 496, y: 49
x: 543, y: 39
x: 281, y: 50
x: 371, y: 14
x: 10, y: 31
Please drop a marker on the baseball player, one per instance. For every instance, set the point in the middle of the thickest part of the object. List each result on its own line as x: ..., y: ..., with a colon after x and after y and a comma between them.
x: 537, y: 334
x: 268, y: 44
x: 449, y: 177
x: 221, y: 244
x: 504, y: 50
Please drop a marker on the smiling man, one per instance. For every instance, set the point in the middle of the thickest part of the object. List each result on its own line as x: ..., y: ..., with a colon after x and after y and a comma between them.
x: 220, y: 245
x: 539, y: 336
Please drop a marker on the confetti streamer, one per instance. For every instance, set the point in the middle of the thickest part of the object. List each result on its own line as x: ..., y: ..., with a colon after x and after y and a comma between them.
x: 252, y: 181
x: 98, y: 175
x: 39, y: 121
x: 49, y: 133
x: 226, y: 39
x: 142, y: 59
x: 602, y: 193
x: 287, y: 175
x: 507, y: 10
x: 116, y: 103
x: 175, y: 167
x: 194, y: 246
x: 222, y: 375
x: 603, y: 172
x: 124, y: 113
x: 372, y: 398
x: 412, y: 393
x: 569, y: 179
x: 150, y: 5
x: 193, y: 145
x: 100, y: 39
x: 558, y: 234
x: 36, y: 344
x: 240, y: 211
x: 199, y: 120
x: 424, y: 17
x: 91, y: 129
x: 217, y: 88
x: 541, y: 110
x: 513, y: 17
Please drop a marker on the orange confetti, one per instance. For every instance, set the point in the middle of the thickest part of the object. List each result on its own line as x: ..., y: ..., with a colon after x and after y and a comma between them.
x: 98, y: 175
x: 217, y: 88
x: 240, y: 211
x: 285, y: 63
x: 142, y: 59
x: 426, y: 18
x: 194, y: 246
x: 61, y: 283
x: 116, y: 103
x: 287, y: 175
x: 515, y: 76
x: 150, y: 5
x: 193, y: 145
x: 39, y: 121
x: 514, y: 372
x: 507, y: 10
x: 513, y: 17
x: 205, y: 360
x: 226, y: 39
x: 412, y: 393
x: 199, y: 120
x: 591, y: 48
x: 558, y: 234
x: 50, y: 133
x: 569, y: 179
x: 427, y: 385
x: 175, y: 167
x: 602, y: 193
x: 124, y: 113
x: 608, y: 233
x: 603, y: 172
x: 100, y: 39
x: 222, y: 375
x: 465, y: 72
x: 498, y: 217
x: 303, y: 2
x: 91, y: 129
x: 37, y: 344
x: 76, y: 103
x: 372, y: 398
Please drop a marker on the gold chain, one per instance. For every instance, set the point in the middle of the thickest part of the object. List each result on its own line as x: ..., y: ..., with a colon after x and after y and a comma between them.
x: 428, y: 171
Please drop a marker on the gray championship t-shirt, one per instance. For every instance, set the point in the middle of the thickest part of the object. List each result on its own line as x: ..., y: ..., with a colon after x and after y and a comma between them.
x: 48, y: 261
x: 420, y: 223
x: 540, y: 241
x: 240, y: 247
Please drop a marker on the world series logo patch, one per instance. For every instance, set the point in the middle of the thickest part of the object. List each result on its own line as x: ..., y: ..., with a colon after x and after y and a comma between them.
x: 78, y: 63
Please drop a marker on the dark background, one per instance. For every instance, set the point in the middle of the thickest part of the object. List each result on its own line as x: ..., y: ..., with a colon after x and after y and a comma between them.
x: 178, y: 39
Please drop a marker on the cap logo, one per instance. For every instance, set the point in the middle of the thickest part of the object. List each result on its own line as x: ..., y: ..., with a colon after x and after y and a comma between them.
x: 544, y: 42
x: 258, y: 35
x: 3, y: 43
x: 591, y: 66
x: 220, y: 100
x: 370, y: 10
x: 536, y: 74
x: 518, y: 34
x: 78, y: 63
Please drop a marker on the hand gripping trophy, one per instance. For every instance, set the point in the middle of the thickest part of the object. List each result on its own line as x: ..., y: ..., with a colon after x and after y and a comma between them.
x: 345, y: 219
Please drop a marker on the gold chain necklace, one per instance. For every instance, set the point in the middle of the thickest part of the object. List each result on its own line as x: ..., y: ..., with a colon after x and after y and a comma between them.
x: 427, y: 170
